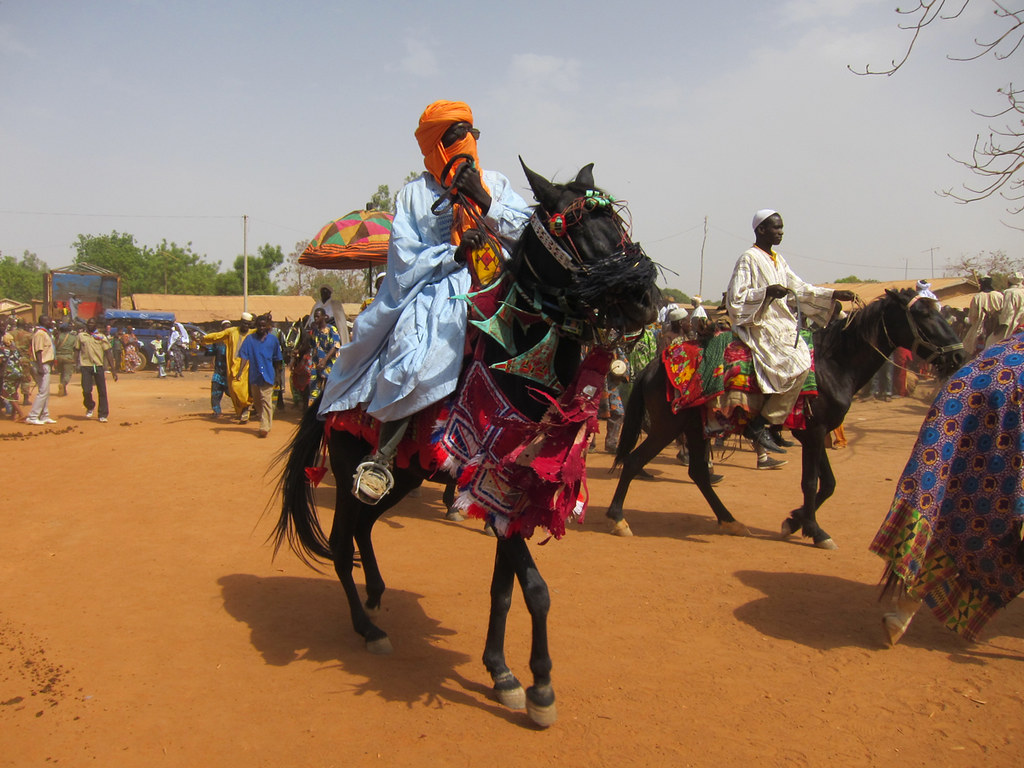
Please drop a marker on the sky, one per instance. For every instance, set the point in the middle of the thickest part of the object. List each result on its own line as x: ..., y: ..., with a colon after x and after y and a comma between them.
x: 174, y: 120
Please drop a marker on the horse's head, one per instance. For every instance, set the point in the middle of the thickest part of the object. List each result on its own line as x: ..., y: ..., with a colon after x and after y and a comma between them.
x: 916, y: 323
x: 578, y: 253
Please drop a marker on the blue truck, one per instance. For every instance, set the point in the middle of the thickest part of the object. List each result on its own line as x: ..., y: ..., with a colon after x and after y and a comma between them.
x: 148, y: 326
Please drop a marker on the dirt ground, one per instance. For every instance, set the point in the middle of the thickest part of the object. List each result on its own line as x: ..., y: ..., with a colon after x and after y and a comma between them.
x: 143, y: 621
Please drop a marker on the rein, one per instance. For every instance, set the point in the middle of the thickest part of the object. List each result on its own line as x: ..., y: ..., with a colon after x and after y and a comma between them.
x: 919, y: 345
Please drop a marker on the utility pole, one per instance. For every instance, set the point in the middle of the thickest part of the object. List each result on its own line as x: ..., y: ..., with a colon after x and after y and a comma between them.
x: 700, y: 284
x: 932, y: 251
x: 245, y: 263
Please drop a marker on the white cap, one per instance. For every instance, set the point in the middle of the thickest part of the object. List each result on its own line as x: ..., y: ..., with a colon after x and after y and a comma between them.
x: 761, y: 215
x: 677, y: 313
x: 247, y: 316
x: 619, y: 367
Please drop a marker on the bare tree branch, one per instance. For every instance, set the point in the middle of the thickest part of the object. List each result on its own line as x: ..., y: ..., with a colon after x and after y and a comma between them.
x: 927, y: 12
x: 997, y: 159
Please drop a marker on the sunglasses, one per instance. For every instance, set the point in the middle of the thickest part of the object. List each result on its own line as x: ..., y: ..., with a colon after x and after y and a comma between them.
x: 457, y: 132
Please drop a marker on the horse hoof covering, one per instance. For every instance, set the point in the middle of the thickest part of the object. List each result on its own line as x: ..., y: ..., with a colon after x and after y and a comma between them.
x: 894, y: 628
x: 543, y: 715
x: 454, y: 516
x: 826, y: 544
x: 379, y: 647
x: 512, y: 698
x: 735, y: 528
x: 621, y: 528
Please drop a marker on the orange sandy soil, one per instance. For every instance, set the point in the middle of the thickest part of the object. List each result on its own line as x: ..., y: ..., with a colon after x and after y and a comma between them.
x: 144, y: 623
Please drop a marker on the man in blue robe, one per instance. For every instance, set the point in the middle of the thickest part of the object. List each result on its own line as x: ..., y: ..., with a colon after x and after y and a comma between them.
x: 408, y: 345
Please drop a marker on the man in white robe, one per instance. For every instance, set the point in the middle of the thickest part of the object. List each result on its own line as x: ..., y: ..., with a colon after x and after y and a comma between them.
x: 1011, y: 316
x: 769, y: 327
x: 983, y: 318
x: 334, y: 311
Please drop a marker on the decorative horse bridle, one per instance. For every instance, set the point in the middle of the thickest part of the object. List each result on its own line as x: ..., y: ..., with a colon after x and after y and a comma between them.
x: 919, y: 346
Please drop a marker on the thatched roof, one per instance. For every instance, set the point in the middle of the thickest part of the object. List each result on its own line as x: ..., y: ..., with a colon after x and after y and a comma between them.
x: 206, y: 309
x: 954, y: 292
x: 16, y: 308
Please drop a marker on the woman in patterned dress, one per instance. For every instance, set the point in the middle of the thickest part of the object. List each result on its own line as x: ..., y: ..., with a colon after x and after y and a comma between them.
x: 11, y: 374
x: 132, y: 360
x: 952, y: 538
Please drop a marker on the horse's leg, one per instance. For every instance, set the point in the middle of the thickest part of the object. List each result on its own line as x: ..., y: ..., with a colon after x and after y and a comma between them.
x: 448, y: 497
x: 351, y: 519
x: 507, y: 688
x: 818, y: 483
x: 700, y: 473
x: 662, y: 433
x: 540, y: 697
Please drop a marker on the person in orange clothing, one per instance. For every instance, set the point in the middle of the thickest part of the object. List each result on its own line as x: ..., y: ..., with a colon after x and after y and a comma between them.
x: 837, y: 438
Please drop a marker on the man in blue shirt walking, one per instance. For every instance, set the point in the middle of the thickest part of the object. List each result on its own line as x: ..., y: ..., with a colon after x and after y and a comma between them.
x: 261, y: 353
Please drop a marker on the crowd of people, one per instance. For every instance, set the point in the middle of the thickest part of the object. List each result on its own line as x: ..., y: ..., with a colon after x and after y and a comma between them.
x: 406, y: 352
x: 30, y: 357
x: 252, y: 361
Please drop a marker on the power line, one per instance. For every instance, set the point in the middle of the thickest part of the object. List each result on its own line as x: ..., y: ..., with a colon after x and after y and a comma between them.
x: 116, y: 215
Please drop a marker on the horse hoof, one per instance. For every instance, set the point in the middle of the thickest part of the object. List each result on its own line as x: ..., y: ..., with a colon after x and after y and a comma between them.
x: 735, y: 528
x: 621, y: 528
x: 489, y: 530
x: 894, y: 628
x: 454, y: 515
x: 542, y: 715
x: 513, y: 698
x: 826, y: 544
x: 787, y: 528
x: 379, y: 647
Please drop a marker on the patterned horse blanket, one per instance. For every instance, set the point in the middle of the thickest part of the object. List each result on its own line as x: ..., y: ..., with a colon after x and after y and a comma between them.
x: 953, y: 533
x: 517, y: 474
x: 701, y: 375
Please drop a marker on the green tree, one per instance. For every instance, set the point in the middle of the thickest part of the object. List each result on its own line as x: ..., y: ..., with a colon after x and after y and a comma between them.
x: 675, y: 295
x: 170, y: 268
x: 381, y: 200
x: 118, y: 253
x: 22, y: 280
x: 854, y: 279
x: 261, y: 269
x: 167, y: 268
x: 296, y: 279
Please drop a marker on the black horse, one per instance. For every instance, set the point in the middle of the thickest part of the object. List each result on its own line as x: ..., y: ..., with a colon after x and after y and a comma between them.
x: 573, y: 265
x: 847, y: 353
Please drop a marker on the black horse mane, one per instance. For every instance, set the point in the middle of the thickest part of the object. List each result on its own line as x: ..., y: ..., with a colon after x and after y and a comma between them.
x: 628, y: 270
x: 860, y: 326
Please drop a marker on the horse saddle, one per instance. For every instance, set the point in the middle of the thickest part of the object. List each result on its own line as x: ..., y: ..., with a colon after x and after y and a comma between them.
x: 700, y: 374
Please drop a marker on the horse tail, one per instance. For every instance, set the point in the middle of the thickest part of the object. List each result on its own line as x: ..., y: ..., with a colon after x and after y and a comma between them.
x: 633, y: 419
x: 298, y: 524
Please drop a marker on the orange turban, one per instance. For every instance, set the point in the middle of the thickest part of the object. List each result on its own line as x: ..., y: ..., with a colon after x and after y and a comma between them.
x: 435, y: 120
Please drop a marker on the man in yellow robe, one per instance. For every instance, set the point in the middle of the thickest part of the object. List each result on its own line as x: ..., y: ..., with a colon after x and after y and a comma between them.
x: 231, y: 338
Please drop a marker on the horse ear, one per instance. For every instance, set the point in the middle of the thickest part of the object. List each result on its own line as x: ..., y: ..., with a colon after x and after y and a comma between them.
x: 895, y: 295
x: 544, y: 192
x: 586, y: 176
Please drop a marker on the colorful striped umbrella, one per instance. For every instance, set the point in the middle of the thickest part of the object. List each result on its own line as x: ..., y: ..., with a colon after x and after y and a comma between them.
x: 357, y: 240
